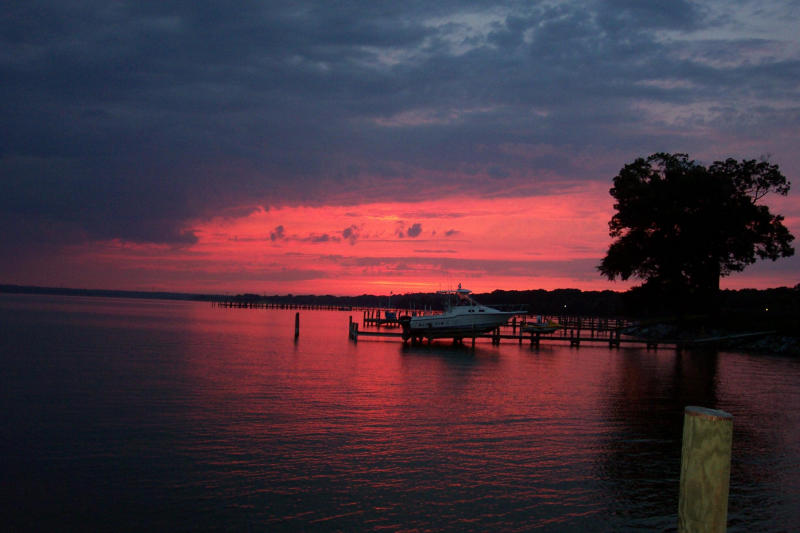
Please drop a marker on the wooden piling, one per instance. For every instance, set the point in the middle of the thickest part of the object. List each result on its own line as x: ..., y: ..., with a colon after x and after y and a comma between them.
x: 705, y: 470
x: 296, y: 325
x: 573, y: 339
x: 353, y: 330
x: 614, y: 338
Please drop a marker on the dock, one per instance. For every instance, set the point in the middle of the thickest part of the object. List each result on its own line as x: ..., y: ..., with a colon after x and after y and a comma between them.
x: 237, y: 303
x: 497, y: 336
x: 574, y: 331
x: 381, y: 317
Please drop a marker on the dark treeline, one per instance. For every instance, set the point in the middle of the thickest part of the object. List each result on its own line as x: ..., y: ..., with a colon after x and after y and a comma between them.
x: 770, y: 309
x: 561, y: 301
x: 153, y: 295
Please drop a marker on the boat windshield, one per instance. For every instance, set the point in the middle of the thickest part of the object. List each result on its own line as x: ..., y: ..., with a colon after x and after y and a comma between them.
x: 459, y: 298
x: 462, y: 299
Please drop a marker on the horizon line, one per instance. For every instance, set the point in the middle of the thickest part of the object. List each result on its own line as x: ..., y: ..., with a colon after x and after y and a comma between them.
x: 10, y: 288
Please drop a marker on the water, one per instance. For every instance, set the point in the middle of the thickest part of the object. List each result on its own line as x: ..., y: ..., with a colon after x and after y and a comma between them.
x: 156, y: 415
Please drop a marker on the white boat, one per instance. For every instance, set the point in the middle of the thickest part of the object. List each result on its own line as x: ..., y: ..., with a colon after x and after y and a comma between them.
x: 464, y: 317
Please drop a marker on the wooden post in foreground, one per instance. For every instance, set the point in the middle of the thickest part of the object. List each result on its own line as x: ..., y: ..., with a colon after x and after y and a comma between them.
x: 296, y: 325
x: 705, y: 470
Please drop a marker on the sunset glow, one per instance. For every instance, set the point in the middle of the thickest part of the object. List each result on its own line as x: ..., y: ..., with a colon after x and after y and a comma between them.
x: 536, y: 242
x: 544, y: 242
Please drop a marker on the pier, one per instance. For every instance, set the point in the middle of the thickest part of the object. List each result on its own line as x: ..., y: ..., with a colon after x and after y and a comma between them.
x: 381, y: 317
x: 572, y: 330
x: 381, y: 322
x: 235, y: 303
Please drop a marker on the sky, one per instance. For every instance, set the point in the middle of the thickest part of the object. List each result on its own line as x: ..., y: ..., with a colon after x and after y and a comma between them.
x: 369, y: 147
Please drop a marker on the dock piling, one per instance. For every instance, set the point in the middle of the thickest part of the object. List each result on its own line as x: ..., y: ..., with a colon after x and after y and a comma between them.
x: 296, y: 325
x: 705, y: 470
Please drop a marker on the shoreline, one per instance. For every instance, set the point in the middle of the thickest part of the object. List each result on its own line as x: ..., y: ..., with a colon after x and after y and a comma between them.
x: 773, y: 343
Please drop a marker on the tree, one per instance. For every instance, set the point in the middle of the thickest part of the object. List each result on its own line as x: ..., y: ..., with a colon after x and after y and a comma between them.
x: 680, y: 226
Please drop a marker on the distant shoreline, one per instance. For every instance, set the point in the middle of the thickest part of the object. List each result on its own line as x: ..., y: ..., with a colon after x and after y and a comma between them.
x: 107, y: 293
x: 558, y: 301
x: 782, y: 302
x: 168, y: 295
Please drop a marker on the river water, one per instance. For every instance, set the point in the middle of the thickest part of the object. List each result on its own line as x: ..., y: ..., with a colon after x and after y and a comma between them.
x: 176, y: 416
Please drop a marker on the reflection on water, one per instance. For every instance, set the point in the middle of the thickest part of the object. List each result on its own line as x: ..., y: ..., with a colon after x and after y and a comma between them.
x: 127, y: 414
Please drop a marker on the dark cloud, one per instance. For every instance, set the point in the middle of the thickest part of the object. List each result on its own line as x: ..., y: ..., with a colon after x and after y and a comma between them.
x: 434, y: 251
x: 316, y: 238
x: 351, y: 234
x: 131, y: 119
x: 277, y: 234
x: 414, y: 230
x: 320, y: 238
x: 498, y: 173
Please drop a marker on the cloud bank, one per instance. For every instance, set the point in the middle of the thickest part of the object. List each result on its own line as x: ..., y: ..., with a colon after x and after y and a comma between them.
x: 132, y: 121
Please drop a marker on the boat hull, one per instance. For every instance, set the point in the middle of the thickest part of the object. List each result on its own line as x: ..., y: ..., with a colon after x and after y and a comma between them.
x: 454, y: 327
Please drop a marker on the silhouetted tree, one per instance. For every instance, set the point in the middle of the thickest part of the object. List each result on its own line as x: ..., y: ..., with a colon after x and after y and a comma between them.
x: 679, y: 226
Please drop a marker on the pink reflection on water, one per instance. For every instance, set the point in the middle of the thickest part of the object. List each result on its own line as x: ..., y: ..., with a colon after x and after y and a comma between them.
x: 346, y: 435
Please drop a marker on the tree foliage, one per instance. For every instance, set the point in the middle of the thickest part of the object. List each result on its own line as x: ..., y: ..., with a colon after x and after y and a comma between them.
x: 681, y: 226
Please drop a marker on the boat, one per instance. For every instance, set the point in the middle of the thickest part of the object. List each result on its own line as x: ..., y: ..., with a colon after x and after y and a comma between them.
x: 540, y: 326
x: 464, y: 317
